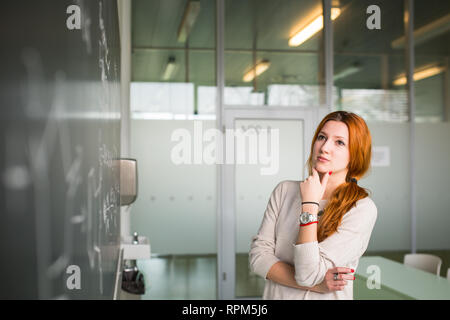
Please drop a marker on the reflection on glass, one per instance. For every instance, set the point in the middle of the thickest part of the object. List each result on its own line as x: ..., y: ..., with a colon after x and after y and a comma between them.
x: 161, y: 98
x: 292, y: 95
x: 376, y: 104
x: 432, y: 88
x: 432, y: 49
x: 172, y: 95
x: 271, y: 44
x: 366, y: 65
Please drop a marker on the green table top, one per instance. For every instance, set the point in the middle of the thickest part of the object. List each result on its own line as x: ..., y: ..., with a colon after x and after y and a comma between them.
x: 406, y: 280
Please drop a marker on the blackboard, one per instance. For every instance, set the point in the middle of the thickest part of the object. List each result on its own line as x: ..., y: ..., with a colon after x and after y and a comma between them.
x: 59, y: 142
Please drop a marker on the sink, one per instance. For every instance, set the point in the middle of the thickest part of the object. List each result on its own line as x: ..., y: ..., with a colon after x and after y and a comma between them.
x: 131, y: 251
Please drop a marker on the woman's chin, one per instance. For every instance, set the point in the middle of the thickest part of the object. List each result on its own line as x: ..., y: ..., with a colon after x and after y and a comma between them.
x: 321, y: 168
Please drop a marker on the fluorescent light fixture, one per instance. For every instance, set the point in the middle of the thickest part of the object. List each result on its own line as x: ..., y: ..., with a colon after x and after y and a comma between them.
x: 354, y: 68
x: 425, y: 33
x: 256, y: 70
x: 311, y: 29
x: 421, y: 73
x: 189, y: 17
x: 170, y: 69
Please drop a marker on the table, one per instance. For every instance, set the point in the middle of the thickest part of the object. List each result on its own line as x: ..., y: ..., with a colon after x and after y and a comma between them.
x: 396, y: 282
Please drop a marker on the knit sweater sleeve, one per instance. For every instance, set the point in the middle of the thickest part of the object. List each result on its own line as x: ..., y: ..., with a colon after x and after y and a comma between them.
x: 262, y: 249
x: 346, y: 245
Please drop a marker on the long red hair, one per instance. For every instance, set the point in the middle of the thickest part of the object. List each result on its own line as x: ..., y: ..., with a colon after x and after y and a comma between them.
x: 348, y: 193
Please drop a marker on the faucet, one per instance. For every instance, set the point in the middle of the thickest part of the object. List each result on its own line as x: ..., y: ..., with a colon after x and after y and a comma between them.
x: 135, y: 238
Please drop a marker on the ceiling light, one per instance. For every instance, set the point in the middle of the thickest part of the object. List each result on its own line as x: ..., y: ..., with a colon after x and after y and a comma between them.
x: 425, y: 33
x: 190, y: 15
x: 311, y: 29
x: 256, y: 70
x: 170, y: 69
x: 419, y: 74
x: 354, y: 68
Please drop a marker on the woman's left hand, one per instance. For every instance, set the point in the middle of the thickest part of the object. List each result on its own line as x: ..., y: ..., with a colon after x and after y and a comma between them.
x: 312, y: 189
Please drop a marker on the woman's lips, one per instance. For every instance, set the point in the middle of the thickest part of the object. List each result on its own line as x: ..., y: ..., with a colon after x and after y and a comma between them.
x: 322, y: 159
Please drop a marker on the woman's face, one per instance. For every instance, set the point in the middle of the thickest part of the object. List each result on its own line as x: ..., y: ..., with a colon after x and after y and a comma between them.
x: 330, y: 152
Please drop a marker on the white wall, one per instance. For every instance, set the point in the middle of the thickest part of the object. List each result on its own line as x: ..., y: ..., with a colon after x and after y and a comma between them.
x: 433, y: 179
x: 176, y: 204
x: 390, y: 189
x: 392, y: 192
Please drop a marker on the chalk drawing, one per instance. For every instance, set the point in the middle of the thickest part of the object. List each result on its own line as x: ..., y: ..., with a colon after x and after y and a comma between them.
x: 97, y: 216
x: 86, y: 25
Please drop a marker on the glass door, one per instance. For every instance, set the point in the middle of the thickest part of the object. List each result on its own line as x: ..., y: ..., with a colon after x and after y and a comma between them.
x: 263, y: 147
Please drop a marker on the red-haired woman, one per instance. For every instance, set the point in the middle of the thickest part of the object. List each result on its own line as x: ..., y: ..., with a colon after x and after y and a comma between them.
x: 314, y: 231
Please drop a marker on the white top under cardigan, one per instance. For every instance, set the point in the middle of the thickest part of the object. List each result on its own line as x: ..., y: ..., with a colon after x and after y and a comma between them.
x: 278, y: 234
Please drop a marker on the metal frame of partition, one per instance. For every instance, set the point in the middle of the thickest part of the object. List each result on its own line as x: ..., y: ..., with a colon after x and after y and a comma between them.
x: 223, y: 284
x: 225, y: 279
x: 409, y: 53
x: 328, y: 51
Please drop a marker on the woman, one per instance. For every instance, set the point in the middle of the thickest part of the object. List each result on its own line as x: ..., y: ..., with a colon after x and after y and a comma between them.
x: 314, y: 232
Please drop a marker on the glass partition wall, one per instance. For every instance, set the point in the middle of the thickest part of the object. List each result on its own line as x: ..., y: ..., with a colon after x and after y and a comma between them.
x: 173, y: 110
x: 432, y: 129
x: 273, y: 66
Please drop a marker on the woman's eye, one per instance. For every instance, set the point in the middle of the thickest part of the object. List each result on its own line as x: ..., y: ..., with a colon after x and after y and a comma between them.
x: 320, y: 137
x: 341, y: 143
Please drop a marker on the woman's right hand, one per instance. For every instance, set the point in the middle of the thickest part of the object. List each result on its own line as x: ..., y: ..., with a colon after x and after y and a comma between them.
x: 329, y: 284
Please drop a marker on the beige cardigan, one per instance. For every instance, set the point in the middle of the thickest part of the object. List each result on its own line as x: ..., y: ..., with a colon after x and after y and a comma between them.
x: 278, y: 234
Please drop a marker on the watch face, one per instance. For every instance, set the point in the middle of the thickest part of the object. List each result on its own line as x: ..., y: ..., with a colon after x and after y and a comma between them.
x: 304, y: 217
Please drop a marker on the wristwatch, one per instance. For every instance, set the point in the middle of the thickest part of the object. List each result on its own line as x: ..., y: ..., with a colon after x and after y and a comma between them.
x: 306, y: 218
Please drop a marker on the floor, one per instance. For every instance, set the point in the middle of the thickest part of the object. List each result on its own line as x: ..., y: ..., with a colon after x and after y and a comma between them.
x: 193, y: 277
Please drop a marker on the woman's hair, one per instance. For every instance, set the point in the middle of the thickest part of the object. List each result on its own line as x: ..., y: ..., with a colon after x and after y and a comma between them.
x: 345, y: 195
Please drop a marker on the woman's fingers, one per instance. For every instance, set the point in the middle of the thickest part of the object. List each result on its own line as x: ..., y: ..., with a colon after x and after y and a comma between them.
x: 337, y: 278
x: 325, y: 178
x: 344, y: 276
x: 341, y: 270
x: 315, y: 173
x: 348, y: 276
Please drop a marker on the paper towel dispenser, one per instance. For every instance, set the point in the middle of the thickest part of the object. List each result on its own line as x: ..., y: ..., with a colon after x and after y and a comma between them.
x: 128, y: 181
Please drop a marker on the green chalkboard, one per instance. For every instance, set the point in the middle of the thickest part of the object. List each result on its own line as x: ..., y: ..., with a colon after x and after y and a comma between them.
x: 59, y: 139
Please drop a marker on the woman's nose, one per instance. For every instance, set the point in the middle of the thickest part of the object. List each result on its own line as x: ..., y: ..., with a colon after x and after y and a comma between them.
x: 325, y: 146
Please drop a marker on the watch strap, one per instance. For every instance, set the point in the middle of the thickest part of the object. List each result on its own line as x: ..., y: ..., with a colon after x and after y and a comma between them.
x: 307, y: 224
